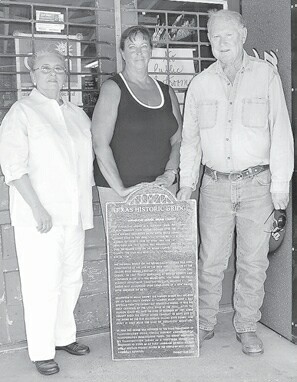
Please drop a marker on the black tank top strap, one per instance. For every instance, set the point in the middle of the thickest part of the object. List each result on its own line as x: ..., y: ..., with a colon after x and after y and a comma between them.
x: 121, y: 84
x: 164, y: 87
x: 118, y: 80
x: 167, y: 98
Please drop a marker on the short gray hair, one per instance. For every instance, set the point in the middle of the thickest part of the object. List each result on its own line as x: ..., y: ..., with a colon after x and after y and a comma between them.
x: 227, y: 15
x: 50, y: 50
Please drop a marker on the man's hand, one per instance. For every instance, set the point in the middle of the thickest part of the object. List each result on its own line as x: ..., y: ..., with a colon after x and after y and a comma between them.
x: 184, y: 193
x: 280, y: 200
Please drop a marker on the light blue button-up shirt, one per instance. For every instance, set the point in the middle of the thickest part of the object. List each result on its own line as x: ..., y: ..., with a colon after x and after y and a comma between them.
x: 231, y: 127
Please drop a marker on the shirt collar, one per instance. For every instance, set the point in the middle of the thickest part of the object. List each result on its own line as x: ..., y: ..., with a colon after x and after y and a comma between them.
x: 38, y: 97
x: 246, y: 64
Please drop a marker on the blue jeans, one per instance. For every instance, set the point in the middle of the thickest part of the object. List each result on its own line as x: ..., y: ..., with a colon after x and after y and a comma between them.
x: 225, y: 206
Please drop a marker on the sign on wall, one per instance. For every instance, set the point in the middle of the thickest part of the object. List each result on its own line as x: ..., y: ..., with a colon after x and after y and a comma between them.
x: 175, y: 69
x: 52, y: 17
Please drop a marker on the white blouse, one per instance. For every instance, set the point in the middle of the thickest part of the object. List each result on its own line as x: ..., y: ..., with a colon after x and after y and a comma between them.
x: 52, y: 144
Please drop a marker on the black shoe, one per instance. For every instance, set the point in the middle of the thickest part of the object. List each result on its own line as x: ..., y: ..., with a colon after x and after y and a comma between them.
x: 47, y: 367
x: 251, y: 343
x: 205, y: 335
x: 75, y: 348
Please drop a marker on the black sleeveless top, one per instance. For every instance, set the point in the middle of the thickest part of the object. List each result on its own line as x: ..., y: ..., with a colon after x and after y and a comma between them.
x: 141, y: 140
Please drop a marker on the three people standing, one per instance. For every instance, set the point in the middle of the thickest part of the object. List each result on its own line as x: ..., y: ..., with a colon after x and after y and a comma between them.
x: 236, y: 124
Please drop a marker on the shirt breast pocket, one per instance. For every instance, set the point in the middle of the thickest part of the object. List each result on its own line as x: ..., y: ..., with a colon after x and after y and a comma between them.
x: 254, y: 112
x: 207, y: 114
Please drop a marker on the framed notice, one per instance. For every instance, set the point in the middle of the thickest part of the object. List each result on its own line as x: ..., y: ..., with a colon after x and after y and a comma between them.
x: 52, y: 17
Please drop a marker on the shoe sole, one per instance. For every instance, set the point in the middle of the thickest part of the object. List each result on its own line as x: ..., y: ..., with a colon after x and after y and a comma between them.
x: 48, y: 372
x: 73, y: 353
x: 247, y: 352
x: 209, y: 336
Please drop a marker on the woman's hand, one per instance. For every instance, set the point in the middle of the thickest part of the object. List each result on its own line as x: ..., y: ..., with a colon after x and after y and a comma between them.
x: 166, y: 180
x: 124, y: 192
x: 43, y: 219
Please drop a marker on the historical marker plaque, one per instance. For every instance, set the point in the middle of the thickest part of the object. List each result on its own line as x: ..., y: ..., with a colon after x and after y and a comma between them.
x: 152, y: 263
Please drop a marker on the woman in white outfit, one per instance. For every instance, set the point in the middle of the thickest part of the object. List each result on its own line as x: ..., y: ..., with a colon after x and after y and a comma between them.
x: 46, y: 158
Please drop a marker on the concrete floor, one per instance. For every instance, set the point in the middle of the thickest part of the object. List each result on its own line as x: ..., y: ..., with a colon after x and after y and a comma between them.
x: 221, y: 360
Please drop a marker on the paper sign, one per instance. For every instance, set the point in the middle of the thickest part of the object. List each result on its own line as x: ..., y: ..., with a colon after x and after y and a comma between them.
x: 177, y: 65
x: 52, y: 17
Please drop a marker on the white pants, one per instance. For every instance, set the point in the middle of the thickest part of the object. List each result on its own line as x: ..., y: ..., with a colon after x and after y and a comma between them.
x: 50, y: 267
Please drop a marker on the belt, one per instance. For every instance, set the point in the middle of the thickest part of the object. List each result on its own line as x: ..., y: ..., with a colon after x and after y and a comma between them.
x: 236, y: 175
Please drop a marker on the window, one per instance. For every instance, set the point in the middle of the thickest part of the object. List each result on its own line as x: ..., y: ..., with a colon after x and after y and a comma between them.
x: 88, y: 33
x: 79, y: 32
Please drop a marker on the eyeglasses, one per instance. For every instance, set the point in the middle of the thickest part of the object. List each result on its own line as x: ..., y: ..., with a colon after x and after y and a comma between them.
x: 279, y: 222
x: 48, y: 69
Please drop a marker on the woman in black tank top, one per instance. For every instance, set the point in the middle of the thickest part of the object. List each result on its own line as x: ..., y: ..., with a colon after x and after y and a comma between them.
x: 136, y: 123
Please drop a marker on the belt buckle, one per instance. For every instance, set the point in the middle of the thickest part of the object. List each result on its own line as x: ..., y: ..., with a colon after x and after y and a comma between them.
x: 234, y: 176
